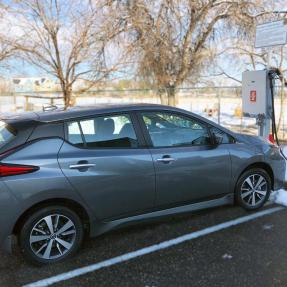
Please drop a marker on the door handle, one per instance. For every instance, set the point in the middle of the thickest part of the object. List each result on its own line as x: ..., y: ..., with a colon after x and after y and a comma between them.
x: 81, y: 165
x: 166, y: 159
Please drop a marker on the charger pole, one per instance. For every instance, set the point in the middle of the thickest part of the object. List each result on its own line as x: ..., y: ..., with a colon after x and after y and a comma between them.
x: 264, y: 127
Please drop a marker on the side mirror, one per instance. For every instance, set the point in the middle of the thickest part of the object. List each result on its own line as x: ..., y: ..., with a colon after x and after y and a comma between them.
x: 217, y: 139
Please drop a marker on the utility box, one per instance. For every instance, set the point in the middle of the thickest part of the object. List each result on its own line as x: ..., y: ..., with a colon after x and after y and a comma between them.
x: 255, y: 94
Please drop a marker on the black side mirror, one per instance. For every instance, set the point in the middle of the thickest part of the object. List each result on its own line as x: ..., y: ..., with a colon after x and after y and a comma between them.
x: 217, y: 139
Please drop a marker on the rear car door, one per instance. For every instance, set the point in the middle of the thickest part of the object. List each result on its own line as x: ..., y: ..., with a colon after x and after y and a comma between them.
x: 104, y: 160
x: 188, y: 166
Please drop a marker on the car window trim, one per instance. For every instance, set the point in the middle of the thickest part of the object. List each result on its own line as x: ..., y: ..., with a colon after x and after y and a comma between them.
x: 210, y: 126
x: 134, y: 122
x: 147, y: 135
x: 82, y: 133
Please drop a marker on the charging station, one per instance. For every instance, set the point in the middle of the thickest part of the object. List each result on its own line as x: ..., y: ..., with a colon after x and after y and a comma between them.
x: 258, y: 86
x: 257, y: 100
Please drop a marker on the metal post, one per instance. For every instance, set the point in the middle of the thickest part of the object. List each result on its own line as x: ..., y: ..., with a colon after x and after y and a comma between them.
x: 219, y: 107
x: 26, y: 103
x: 14, y: 101
x: 268, y: 58
x: 264, y: 123
x: 268, y: 117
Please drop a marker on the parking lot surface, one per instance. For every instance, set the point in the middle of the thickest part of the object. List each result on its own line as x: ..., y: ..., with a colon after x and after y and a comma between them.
x: 248, y: 254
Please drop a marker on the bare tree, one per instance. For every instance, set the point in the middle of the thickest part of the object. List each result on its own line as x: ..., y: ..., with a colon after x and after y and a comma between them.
x: 6, y: 50
x: 173, y: 39
x: 64, y: 38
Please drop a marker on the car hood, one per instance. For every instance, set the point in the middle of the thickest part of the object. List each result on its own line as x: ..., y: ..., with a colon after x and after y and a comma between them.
x: 251, y: 139
x: 258, y: 143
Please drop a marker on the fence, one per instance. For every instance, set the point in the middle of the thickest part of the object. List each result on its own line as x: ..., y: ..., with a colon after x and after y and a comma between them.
x: 219, y: 104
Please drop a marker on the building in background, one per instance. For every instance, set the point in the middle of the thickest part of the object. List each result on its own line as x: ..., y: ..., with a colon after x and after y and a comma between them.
x: 34, y: 84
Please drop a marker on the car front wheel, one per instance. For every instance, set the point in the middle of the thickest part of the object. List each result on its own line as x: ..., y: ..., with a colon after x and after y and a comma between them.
x: 50, y: 235
x: 253, y: 189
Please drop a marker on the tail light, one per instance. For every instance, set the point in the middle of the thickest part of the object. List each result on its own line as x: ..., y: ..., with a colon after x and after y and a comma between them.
x: 16, y: 169
x: 8, y: 169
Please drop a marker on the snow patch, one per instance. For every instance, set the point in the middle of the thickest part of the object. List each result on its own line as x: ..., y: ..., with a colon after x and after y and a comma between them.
x: 279, y: 196
x: 227, y: 256
x: 267, y: 226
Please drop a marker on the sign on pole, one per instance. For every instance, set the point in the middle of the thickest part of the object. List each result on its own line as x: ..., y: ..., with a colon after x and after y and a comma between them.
x: 271, y: 34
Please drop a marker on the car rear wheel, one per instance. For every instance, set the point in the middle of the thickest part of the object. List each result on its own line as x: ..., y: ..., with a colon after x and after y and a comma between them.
x: 50, y: 235
x: 253, y: 189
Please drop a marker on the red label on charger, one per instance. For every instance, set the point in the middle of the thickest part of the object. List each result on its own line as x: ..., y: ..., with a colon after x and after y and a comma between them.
x: 253, y: 96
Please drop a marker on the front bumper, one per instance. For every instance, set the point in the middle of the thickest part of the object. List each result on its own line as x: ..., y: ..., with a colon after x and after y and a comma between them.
x: 284, y: 154
x: 277, y: 161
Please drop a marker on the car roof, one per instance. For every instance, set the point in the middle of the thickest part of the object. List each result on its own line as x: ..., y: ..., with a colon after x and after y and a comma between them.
x: 56, y: 114
x: 86, y: 111
x: 60, y: 114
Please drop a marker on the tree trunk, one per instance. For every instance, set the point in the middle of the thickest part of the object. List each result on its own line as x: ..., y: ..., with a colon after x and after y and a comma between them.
x: 68, y: 100
x: 163, y: 96
x: 172, y: 97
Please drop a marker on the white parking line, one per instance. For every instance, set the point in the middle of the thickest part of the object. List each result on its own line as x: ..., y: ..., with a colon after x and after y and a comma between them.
x: 149, y: 249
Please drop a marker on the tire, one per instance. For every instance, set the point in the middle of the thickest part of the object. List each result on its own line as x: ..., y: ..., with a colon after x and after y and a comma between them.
x: 40, y: 246
x: 253, y: 189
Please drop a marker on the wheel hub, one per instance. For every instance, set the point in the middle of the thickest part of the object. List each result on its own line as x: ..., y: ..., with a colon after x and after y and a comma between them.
x: 53, y: 236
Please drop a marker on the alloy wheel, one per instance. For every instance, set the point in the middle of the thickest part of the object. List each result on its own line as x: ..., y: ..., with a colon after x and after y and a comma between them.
x: 52, y: 236
x: 254, y: 189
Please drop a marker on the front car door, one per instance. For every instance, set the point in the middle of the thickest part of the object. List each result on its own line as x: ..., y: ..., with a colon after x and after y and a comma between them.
x: 188, y: 166
x: 105, y: 162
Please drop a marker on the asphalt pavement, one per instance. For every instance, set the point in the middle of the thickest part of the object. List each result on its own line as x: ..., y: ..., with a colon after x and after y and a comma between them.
x: 247, y: 254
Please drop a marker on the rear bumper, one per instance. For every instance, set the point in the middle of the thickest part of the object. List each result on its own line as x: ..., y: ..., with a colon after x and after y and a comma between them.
x: 8, y: 216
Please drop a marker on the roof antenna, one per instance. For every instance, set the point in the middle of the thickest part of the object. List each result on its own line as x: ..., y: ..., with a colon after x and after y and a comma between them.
x: 48, y: 108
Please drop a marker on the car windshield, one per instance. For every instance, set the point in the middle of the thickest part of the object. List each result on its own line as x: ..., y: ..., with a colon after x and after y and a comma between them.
x: 7, y: 133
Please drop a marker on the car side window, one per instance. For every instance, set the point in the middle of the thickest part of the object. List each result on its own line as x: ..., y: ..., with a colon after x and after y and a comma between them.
x: 173, y: 130
x: 221, y: 137
x: 74, y: 134
x: 114, y: 131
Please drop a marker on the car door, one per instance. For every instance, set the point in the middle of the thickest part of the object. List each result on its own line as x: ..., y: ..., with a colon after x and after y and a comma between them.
x: 188, y: 166
x: 104, y: 160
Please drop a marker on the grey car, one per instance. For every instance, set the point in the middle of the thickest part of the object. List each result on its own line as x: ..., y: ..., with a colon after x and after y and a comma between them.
x: 87, y: 170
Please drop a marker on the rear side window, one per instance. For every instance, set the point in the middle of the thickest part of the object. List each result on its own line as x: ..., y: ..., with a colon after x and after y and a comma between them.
x: 115, y: 131
x: 7, y: 133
